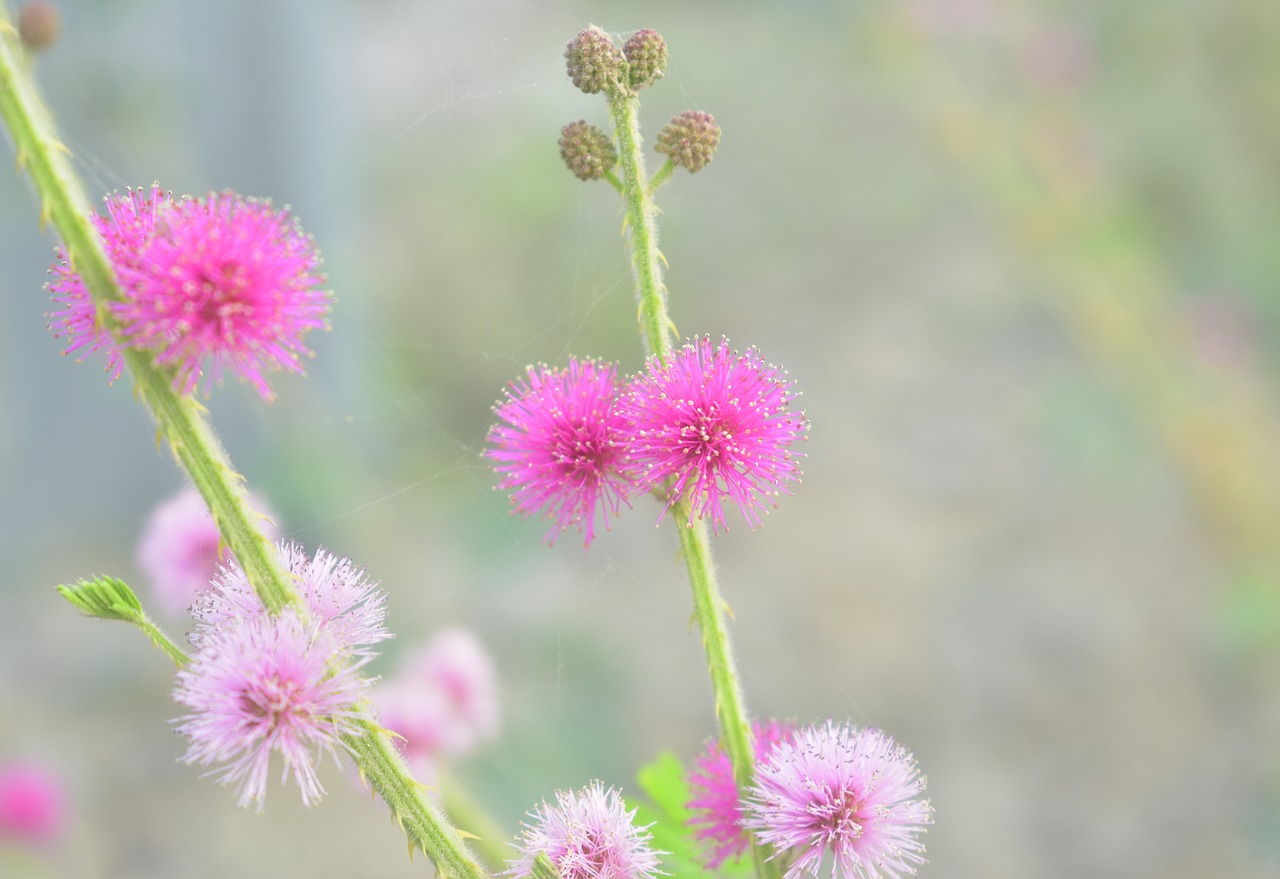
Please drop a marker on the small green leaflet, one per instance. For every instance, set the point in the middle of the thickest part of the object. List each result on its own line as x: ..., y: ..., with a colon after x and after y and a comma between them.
x: 110, y: 599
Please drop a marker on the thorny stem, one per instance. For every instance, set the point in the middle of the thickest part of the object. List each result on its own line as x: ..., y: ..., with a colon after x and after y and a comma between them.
x: 181, y: 421
x: 656, y: 329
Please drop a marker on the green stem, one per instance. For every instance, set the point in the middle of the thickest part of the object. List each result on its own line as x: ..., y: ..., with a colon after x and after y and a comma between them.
x: 489, y: 841
x: 656, y: 329
x: 661, y: 176
x: 417, y: 816
x: 181, y: 421
x: 710, y: 609
x: 655, y: 325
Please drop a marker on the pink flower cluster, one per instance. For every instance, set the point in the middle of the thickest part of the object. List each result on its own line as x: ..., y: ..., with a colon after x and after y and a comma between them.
x: 587, y: 834
x: 704, y: 425
x: 832, y: 789
x: 220, y: 283
x: 442, y: 700
x: 289, y: 683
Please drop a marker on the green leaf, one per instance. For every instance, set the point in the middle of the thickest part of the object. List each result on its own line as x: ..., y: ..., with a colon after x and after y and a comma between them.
x: 106, y: 598
x: 110, y: 599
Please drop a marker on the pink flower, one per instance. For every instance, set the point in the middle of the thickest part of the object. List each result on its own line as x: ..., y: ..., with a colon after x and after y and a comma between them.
x: 851, y: 791
x: 225, y: 282
x: 717, y: 424
x: 443, y: 700
x: 558, y: 446
x: 338, y: 596
x: 716, y: 805
x: 125, y: 232
x: 181, y: 548
x: 263, y: 684
x: 587, y: 834
x: 31, y: 810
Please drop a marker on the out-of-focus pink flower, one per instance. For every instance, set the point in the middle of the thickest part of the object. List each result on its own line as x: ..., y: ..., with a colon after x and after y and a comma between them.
x: 31, y: 804
x: 179, y: 551
x: 443, y: 699
x: 716, y: 805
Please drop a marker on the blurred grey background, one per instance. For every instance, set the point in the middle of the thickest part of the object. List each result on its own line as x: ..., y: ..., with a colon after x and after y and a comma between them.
x: 1019, y: 256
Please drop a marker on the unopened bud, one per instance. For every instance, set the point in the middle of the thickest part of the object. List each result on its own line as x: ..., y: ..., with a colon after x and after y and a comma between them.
x: 594, y: 62
x: 690, y: 139
x: 38, y: 25
x: 646, y: 54
x: 586, y: 150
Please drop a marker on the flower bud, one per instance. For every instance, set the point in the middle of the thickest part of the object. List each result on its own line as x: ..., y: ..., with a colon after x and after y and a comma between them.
x: 593, y: 61
x: 646, y: 53
x: 38, y: 25
x: 690, y: 139
x: 586, y: 150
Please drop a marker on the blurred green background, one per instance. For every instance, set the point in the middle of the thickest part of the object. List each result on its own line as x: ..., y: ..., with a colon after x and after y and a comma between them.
x: 1021, y: 258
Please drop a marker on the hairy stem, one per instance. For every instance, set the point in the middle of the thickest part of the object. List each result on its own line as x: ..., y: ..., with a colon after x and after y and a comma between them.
x: 656, y: 329
x: 655, y: 324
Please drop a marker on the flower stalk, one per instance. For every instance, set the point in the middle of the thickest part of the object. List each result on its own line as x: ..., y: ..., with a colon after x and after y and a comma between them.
x: 655, y: 324
x: 182, y: 423
x: 657, y: 331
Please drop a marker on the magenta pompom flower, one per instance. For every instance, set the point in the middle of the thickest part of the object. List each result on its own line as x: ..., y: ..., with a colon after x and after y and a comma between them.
x: 125, y: 231
x: 180, y: 549
x: 224, y: 283
x: 337, y: 594
x: 853, y: 792
x: 443, y: 699
x: 715, y: 805
x: 31, y: 804
x: 587, y: 834
x: 717, y: 423
x: 557, y: 445
x: 263, y: 684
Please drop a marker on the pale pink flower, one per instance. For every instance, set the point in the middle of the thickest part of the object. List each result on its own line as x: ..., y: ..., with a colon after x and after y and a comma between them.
x: 181, y: 548
x: 31, y: 804
x: 263, y: 684
x: 338, y: 596
x: 557, y: 446
x: 716, y: 423
x: 587, y: 834
x: 225, y: 282
x: 848, y: 791
x: 443, y: 698
x: 716, y: 805
x: 125, y: 231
